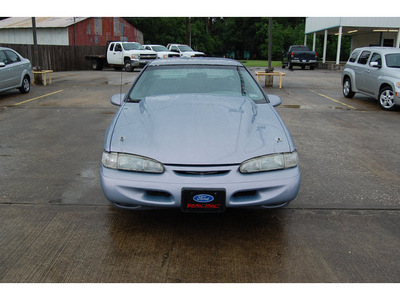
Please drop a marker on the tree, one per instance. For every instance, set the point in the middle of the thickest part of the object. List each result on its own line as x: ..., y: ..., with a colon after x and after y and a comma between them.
x: 236, y: 37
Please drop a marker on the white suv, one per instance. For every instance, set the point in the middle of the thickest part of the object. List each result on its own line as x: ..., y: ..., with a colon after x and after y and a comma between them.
x: 374, y: 71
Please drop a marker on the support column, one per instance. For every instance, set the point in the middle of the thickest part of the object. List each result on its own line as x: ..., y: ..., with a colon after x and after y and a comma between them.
x: 339, y: 45
x: 314, y: 41
x: 398, y: 39
x: 325, y: 45
x: 305, y: 40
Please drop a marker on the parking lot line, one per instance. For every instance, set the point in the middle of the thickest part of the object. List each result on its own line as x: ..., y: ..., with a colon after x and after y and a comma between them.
x: 29, y: 100
x: 334, y: 100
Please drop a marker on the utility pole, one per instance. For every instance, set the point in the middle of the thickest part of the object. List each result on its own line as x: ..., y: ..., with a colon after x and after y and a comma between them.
x: 35, y: 46
x: 270, y: 69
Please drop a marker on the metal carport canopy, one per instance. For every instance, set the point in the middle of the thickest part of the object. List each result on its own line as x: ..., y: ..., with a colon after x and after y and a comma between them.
x: 349, y: 25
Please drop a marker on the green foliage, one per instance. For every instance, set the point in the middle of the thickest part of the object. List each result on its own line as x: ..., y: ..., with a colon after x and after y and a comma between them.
x: 235, y: 37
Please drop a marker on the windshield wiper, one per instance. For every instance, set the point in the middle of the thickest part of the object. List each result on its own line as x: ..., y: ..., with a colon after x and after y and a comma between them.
x: 133, y: 100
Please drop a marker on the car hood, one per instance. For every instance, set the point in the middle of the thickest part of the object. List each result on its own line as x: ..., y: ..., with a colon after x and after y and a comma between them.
x: 192, y: 52
x: 198, y: 129
x: 145, y: 51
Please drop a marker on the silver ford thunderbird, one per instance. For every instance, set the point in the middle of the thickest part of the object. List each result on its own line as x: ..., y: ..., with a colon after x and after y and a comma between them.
x: 201, y: 135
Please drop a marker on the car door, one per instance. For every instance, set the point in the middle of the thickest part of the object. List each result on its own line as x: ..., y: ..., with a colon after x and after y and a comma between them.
x: 176, y: 49
x: 3, y: 71
x: 360, y: 71
x: 14, y: 68
x: 372, y: 72
x: 115, y: 55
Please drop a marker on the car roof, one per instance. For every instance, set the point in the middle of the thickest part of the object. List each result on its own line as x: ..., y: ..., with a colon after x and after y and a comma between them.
x: 381, y: 49
x: 215, y: 61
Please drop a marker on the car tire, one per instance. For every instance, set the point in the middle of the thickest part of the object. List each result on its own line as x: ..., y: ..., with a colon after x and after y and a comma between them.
x: 97, y: 65
x: 128, y: 66
x: 386, y: 98
x: 26, y: 85
x: 347, y: 92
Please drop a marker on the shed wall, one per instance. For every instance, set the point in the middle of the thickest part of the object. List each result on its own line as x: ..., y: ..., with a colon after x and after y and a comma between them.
x: 45, y: 36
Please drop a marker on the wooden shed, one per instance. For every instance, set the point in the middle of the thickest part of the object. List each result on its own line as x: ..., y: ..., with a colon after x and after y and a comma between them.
x: 69, y: 31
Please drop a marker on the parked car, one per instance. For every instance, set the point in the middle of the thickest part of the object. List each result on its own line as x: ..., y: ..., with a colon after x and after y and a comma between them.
x: 184, y: 50
x: 299, y: 55
x: 375, y: 72
x: 199, y: 134
x: 162, y: 51
x: 15, y: 71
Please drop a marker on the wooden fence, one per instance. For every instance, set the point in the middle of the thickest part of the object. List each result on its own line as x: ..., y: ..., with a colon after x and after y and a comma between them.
x: 59, y: 58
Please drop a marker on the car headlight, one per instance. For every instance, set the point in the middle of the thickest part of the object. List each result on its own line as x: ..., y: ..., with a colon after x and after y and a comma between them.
x: 269, y: 163
x: 130, y: 162
x: 135, y: 56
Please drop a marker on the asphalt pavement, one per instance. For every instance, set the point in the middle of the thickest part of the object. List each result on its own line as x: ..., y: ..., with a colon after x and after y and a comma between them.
x: 56, y: 225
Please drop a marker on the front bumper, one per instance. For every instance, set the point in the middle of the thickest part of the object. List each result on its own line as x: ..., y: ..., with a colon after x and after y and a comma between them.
x: 134, y: 190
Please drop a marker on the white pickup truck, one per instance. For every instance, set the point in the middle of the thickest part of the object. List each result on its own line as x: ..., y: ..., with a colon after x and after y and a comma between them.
x: 184, y: 50
x: 128, y: 55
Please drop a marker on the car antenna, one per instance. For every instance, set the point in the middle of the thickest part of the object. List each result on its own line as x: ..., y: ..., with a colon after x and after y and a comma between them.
x: 120, y: 86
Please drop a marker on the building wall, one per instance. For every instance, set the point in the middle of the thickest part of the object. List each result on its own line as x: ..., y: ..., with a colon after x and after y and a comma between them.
x: 89, y: 32
x: 321, y: 23
x: 45, y: 36
x: 97, y: 31
x: 387, y: 39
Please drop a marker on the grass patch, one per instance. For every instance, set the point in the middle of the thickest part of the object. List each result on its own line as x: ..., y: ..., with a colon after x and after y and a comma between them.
x: 260, y: 63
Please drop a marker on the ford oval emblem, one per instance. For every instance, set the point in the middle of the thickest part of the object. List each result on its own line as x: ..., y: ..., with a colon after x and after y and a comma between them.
x: 203, y: 198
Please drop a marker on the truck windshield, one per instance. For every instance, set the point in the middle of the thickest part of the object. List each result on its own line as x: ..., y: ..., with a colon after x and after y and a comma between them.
x: 132, y: 46
x: 159, y: 48
x: 216, y: 80
x: 185, y: 48
x: 393, y: 60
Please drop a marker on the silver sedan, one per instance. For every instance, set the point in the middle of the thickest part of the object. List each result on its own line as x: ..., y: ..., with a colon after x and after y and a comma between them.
x: 15, y: 71
x: 199, y: 135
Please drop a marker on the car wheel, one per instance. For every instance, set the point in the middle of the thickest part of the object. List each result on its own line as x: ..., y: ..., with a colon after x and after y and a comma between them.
x: 26, y: 85
x: 128, y: 66
x: 386, y: 98
x: 96, y: 65
x: 347, y: 92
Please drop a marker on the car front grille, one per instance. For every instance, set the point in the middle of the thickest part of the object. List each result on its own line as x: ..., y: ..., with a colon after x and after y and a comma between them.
x: 202, y: 173
x: 148, y: 56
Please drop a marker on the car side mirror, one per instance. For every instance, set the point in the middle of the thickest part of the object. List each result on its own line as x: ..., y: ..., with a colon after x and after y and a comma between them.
x: 275, y: 100
x: 375, y: 64
x: 2, y: 64
x: 117, y: 99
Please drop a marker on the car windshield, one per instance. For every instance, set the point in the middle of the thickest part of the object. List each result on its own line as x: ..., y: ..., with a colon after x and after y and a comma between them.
x: 393, y: 60
x: 159, y: 48
x: 132, y: 46
x: 219, y: 80
x: 185, y: 48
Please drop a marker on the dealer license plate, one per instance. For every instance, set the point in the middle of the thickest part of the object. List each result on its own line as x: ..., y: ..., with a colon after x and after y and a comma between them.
x: 203, y: 200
